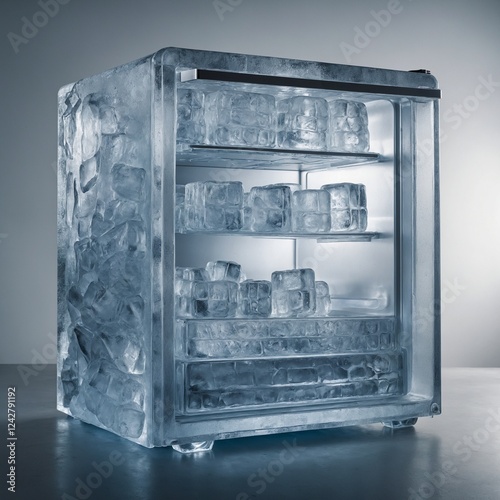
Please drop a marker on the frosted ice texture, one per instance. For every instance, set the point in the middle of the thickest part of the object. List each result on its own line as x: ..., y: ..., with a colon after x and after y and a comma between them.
x: 191, y: 128
x: 214, y: 299
x: 241, y: 119
x: 322, y: 298
x: 251, y: 338
x: 180, y: 208
x: 214, y: 206
x: 311, y: 211
x: 103, y: 254
x: 255, y: 298
x: 349, y: 126
x: 219, y: 385
x: 224, y: 270
x: 293, y: 293
x: 348, y: 206
x: 271, y: 208
x: 302, y: 123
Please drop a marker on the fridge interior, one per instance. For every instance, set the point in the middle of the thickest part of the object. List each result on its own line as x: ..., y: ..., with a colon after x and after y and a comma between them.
x: 361, y: 269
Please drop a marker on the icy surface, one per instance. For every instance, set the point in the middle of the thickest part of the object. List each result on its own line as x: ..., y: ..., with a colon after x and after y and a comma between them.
x: 252, y: 338
x: 103, y: 356
x: 219, y: 385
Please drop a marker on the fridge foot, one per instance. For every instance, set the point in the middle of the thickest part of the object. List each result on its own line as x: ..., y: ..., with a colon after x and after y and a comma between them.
x: 193, y: 447
x: 401, y: 424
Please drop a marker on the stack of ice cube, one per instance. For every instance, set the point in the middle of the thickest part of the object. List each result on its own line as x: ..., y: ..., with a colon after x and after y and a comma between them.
x: 207, y: 292
x: 221, y: 290
x: 249, y: 119
x: 275, y: 208
x: 349, y: 126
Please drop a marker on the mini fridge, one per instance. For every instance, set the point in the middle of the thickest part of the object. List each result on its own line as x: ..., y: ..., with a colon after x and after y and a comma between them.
x: 247, y: 245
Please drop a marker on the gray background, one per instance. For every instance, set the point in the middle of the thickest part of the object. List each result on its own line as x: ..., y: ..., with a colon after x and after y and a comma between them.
x: 458, y: 41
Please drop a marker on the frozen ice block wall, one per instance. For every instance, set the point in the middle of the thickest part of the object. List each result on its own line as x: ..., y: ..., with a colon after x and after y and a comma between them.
x: 105, y: 251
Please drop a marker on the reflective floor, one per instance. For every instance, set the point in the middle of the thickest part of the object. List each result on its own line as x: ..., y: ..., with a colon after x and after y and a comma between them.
x: 454, y: 456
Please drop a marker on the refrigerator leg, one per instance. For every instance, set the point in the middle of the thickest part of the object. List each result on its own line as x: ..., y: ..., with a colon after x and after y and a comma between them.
x: 401, y: 424
x: 193, y: 447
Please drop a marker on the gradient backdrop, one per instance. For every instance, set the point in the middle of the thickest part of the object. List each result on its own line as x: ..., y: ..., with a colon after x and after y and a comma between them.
x: 458, y: 40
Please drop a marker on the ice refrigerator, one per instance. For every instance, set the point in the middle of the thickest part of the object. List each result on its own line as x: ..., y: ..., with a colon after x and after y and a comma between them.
x: 247, y: 245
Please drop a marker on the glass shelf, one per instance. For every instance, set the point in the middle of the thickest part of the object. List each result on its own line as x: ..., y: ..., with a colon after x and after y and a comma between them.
x: 268, y: 158
x: 338, y: 237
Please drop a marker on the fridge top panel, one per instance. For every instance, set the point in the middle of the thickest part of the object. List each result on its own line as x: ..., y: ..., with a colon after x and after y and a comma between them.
x: 295, y: 69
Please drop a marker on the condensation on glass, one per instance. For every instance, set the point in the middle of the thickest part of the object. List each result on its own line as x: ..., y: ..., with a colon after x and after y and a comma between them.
x: 247, y: 245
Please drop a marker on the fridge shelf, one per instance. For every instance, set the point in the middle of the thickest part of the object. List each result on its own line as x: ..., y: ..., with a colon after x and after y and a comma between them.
x: 338, y: 237
x: 268, y: 158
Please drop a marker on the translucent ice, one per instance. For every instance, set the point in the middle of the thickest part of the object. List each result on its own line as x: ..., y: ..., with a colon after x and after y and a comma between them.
x: 302, y: 123
x: 271, y: 208
x: 191, y: 127
x: 128, y: 181
x: 180, y: 209
x: 322, y: 298
x: 214, y: 299
x: 293, y: 293
x: 255, y: 298
x: 214, y: 206
x: 349, y: 126
x: 348, y: 206
x: 311, y: 211
x: 241, y: 119
x: 221, y: 270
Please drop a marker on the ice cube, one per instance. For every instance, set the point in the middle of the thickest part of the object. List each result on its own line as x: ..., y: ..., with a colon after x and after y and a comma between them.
x: 293, y: 293
x: 221, y: 270
x: 128, y: 181
x: 180, y: 209
x: 214, y: 299
x: 311, y: 211
x: 322, y: 298
x: 214, y: 206
x: 241, y: 119
x: 302, y: 122
x: 348, y: 206
x: 255, y: 298
x: 271, y: 208
x: 349, y: 126
x: 191, y: 127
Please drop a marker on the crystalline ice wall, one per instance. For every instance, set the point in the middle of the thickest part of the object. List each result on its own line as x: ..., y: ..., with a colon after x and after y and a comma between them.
x: 104, y: 260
